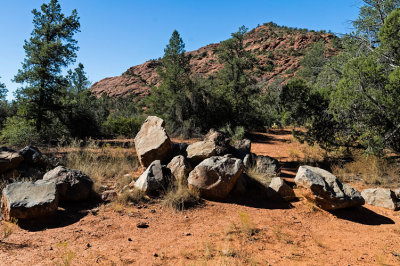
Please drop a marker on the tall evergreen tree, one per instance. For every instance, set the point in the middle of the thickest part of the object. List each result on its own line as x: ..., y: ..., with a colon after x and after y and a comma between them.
x: 236, y: 84
x: 50, y: 48
x: 171, y: 98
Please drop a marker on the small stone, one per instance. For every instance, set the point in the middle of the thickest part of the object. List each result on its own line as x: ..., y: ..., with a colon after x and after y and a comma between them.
x: 155, y: 255
x: 187, y: 234
x: 130, y: 239
x: 88, y: 245
x: 153, y: 211
x: 142, y: 225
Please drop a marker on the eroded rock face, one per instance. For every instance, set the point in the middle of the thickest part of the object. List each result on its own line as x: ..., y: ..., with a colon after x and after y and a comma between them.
x: 29, y: 200
x: 154, y: 179
x: 180, y: 168
x: 280, y: 190
x: 72, y: 185
x: 216, y: 176
x: 325, y: 190
x: 381, y: 197
x: 152, y: 142
x: 215, y: 143
x: 9, y: 159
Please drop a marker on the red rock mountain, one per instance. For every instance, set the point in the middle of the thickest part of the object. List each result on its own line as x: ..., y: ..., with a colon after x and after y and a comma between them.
x: 279, y: 51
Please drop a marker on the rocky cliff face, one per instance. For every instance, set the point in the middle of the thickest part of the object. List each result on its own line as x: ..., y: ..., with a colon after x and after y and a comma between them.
x: 279, y: 51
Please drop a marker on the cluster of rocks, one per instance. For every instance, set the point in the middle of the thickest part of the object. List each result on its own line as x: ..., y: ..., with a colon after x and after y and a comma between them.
x: 217, y: 169
x: 39, y: 199
x: 212, y: 166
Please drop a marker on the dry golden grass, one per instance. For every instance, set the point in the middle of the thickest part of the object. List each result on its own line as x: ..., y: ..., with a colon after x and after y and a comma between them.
x: 180, y: 197
x: 369, y: 169
x: 105, y: 165
x: 135, y: 197
x: 262, y: 178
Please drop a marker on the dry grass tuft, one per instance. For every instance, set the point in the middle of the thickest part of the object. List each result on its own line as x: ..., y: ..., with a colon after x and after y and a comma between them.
x: 370, y: 169
x: 180, y: 197
x: 247, y: 226
x: 312, y: 154
x: 263, y: 178
x: 135, y: 197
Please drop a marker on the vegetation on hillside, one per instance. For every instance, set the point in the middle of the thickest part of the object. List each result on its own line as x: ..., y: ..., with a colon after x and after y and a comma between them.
x: 350, y: 99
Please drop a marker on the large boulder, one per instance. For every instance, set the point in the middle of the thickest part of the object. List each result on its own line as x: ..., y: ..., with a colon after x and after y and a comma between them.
x: 216, y: 176
x: 152, y: 142
x: 325, y: 190
x: 215, y: 143
x: 9, y: 159
x: 180, y: 168
x: 72, y: 185
x: 29, y: 200
x: 278, y: 189
x: 381, y: 197
x: 155, y: 179
x: 262, y: 164
x: 32, y: 156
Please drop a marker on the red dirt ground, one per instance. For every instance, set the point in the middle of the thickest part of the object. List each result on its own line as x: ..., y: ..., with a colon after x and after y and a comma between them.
x: 217, y: 233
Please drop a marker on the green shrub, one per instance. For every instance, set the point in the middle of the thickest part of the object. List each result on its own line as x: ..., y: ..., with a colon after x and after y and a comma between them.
x: 19, y: 132
x: 117, y: 125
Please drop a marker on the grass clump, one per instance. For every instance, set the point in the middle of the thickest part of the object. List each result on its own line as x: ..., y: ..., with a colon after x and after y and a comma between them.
x: 180, y: 197
x: 135, y: 196
x: 247, y: 226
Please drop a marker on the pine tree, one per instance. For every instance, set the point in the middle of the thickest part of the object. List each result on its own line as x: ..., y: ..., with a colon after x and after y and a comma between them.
x: 49, y: 50
x: 170, y: 99
x: 236, y: 84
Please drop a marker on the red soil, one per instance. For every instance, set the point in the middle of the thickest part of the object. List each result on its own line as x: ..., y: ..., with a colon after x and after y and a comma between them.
x: 217, y: 233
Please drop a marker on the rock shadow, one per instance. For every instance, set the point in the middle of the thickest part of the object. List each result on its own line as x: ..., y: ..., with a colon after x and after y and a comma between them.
x: 259, y: 203
x: 362, y: 215
x: 67, y: 214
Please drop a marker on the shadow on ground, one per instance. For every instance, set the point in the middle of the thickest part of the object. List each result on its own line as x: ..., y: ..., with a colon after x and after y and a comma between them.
x: 362, y: 215
x: 66, y: 214
x: 260, y: 203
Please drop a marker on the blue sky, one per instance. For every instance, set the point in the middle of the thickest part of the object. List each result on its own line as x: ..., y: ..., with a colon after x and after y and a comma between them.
x: 116, y: 35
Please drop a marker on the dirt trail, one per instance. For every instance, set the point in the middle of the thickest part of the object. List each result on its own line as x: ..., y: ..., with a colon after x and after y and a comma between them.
x: 217, y: 233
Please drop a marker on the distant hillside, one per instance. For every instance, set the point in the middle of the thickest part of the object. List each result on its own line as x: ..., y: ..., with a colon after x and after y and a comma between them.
x: 278, y: 49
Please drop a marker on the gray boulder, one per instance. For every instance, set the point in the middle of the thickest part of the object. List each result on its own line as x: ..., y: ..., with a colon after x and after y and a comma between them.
x: 180, y: 168
x: 325, y: 190
x: 72, y: 185
x: 262, y: 164
x: 29, y: 200
x: 155, y: 179
x: 215, y: 177
x: 9, y: 159
x: 279, y: 189
x: 152, y: 142
x: 381, y: 197
x: 215, y: 143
